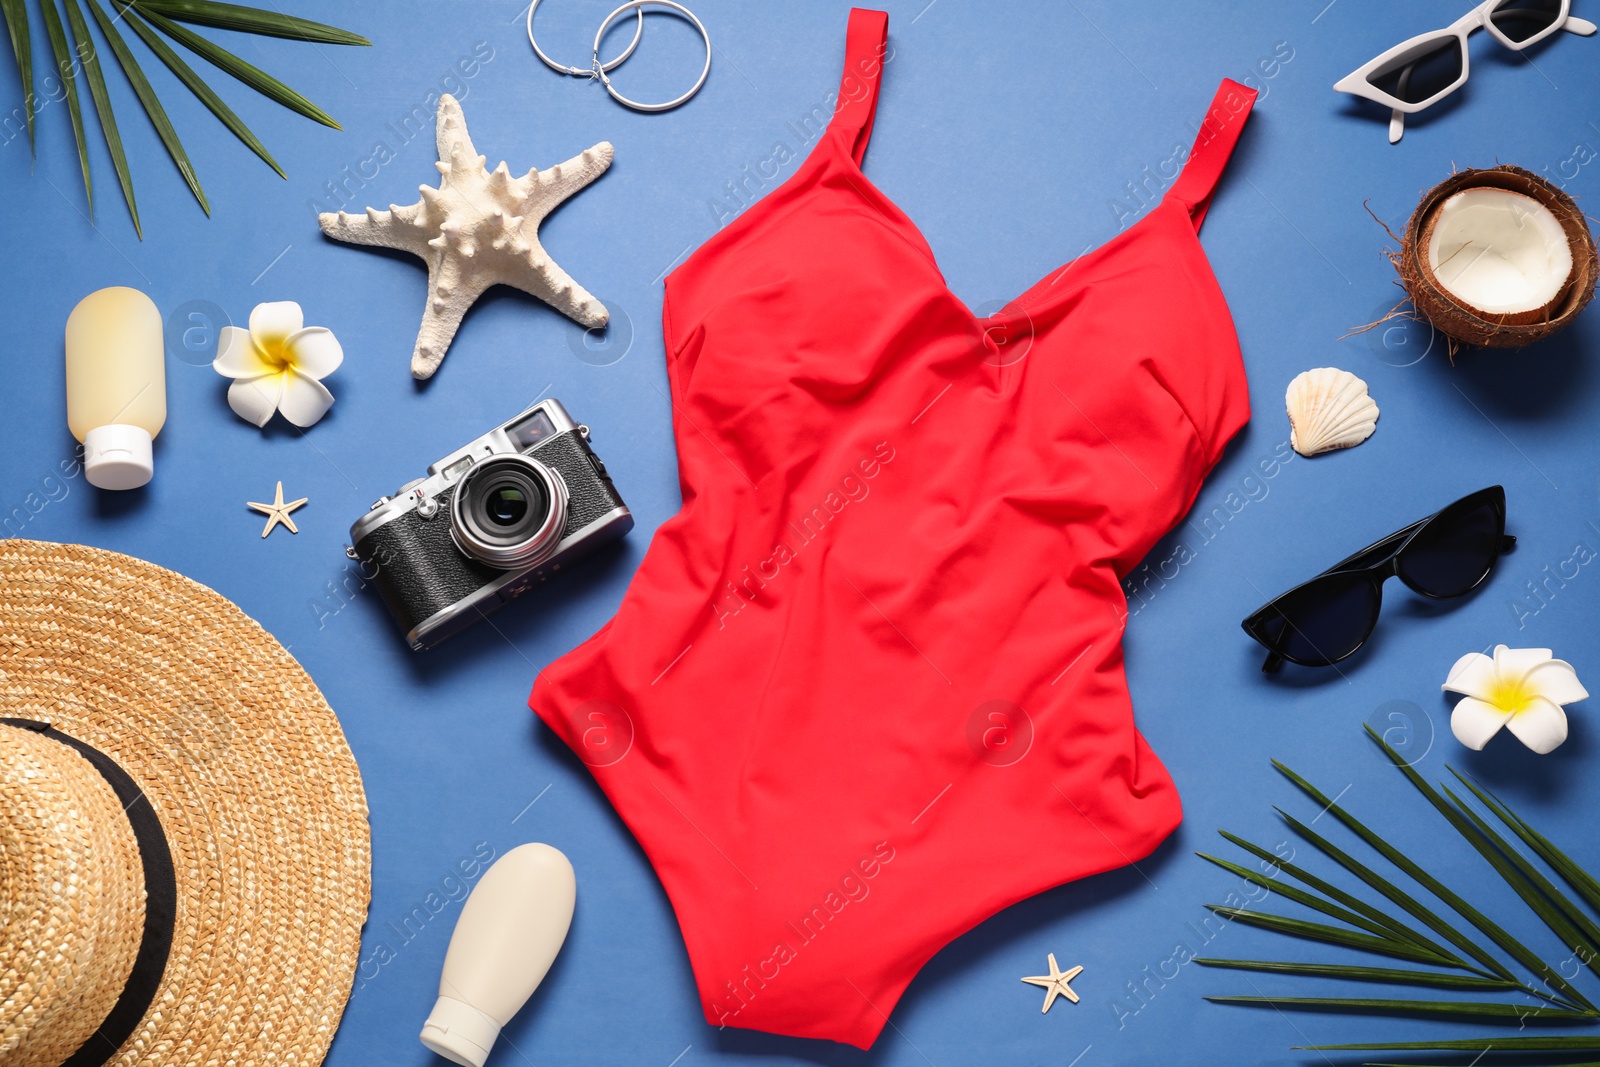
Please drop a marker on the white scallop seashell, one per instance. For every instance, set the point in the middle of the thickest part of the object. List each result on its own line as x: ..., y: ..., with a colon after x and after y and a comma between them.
x: 1329, y: 409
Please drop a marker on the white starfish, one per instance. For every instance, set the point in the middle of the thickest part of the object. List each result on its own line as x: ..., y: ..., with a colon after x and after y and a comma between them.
x: 477, y: 229
x: 277, y: 512
x: 1055, y: 983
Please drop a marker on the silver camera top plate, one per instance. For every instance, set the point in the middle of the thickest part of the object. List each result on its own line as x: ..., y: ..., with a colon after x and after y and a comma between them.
x: 420, y: 494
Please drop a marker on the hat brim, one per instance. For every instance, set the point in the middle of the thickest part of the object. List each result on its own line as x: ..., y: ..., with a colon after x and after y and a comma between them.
x: 247, y: 769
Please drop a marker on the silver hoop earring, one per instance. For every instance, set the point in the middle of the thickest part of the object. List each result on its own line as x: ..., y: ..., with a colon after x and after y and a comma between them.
x: 583, y: 72
x: 639, y: 6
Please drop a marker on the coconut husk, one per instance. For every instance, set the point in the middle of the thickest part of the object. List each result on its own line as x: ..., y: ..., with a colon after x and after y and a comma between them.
x: 1468, y: 325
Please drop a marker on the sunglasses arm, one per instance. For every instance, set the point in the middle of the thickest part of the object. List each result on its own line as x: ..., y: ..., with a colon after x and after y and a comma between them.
x: 1581, y: 27
x: 1397, y: 118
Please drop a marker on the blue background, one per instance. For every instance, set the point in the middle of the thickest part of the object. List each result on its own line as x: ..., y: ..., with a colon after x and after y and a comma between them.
x: 1008, y: 132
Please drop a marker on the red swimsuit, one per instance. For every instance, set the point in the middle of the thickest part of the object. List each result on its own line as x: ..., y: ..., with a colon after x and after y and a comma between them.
x: 866, y: 688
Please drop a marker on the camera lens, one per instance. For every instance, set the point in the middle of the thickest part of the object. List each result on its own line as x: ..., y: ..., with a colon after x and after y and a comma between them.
x: 509, y: 512
x: 505, y: 502
x: 506, y: 506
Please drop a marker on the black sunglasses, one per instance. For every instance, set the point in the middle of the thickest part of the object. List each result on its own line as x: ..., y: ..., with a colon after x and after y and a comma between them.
x: 1325, y: 620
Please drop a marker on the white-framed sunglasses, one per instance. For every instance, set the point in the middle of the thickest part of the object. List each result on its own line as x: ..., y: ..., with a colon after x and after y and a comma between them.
x: 1418, y: 73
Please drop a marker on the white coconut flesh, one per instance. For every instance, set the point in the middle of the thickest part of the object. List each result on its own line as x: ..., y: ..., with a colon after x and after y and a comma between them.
x: 1499, y: 251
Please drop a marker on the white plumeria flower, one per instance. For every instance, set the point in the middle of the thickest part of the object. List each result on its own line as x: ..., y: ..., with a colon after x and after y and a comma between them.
x: 277, y: 365
x: 1521, y: 689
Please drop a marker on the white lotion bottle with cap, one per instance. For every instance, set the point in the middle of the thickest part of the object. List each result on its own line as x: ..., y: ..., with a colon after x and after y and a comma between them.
x: 510, y: 930
x: 116, y: 385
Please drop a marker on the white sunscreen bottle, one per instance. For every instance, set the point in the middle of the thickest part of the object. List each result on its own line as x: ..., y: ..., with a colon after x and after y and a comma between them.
x: 510, y: 930
x: 116, y: 385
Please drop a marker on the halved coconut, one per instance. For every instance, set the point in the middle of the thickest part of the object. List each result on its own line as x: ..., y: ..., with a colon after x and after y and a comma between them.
x: 1498, y: 258
x: 1499, y: 251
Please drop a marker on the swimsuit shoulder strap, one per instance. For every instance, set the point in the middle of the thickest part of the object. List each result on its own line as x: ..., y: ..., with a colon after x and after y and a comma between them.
x: 866, y: 46
x: 1213, y: 146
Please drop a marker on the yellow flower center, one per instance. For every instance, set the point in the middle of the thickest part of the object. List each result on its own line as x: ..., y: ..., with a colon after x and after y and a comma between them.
x: 275, y: 354
x: 1510, y: 695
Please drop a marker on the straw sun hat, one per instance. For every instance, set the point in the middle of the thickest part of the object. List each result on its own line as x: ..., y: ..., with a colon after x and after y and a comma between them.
x: 184, y: 855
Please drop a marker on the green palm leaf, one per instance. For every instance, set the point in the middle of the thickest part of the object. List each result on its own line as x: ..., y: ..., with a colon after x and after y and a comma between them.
x: 226, y: 61
x: 22, y: 45
x: 1581, y: 881
x: 1553, y: 1043
x: 197, y: 86
x: 1473, y: 1009
x: 1529, y: 960
x: 1332, y: 935
x: 1389, y: 975
x: 102, y: 107
x: 67, y: 67
x: 152, y: 106
x: 1562, y: 916
x: 1396, y: 894
x: 1315, y: 903
x: 72, y: 45
x: 1560, y: 912
x: 1489, y: 928
x: 250, y: 20
x: 1398, y: 928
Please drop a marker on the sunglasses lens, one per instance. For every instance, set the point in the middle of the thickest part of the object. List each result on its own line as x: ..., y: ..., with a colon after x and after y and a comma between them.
x: 1422, y: 74
x: 1523, y: 20
x: 1322, y: 621
x: 1451, y: 555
